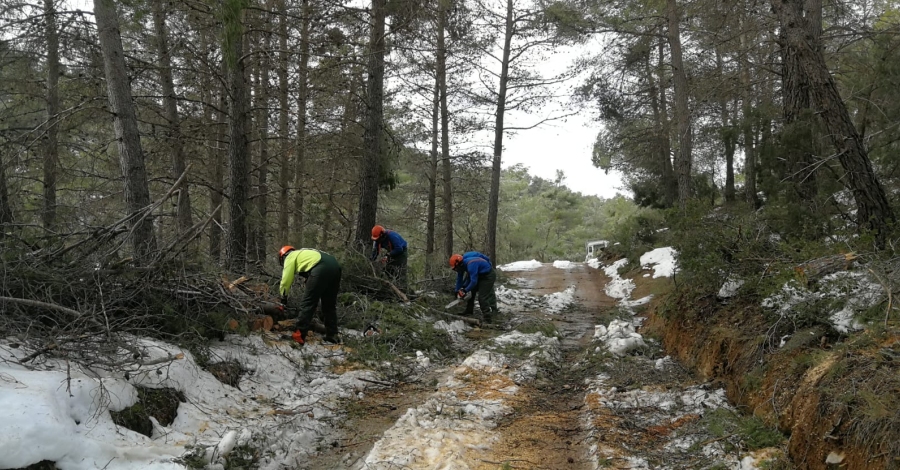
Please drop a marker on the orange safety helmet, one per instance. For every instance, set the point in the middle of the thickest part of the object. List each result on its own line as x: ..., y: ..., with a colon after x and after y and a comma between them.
x: 283, y: 252
x: 377, y: 232
x: 455, y: 259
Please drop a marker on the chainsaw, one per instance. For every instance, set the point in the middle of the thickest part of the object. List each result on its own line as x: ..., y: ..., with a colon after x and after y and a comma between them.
x: 458, y: 300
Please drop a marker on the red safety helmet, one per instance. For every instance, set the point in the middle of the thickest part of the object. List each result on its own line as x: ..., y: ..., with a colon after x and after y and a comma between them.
x: 455, y: 259
x: 283, y: 252
x: 377, y: 232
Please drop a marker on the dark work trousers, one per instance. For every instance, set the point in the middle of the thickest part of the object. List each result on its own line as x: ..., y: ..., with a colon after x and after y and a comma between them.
x: 484, y: 291
x: 395, y: 270
x: 323, y: 284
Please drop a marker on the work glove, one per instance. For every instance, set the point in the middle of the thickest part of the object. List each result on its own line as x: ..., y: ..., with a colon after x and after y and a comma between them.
x: 461, y: 293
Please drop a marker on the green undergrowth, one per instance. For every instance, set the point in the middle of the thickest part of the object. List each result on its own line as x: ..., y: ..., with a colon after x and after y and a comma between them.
x: 160, y: 403
x: 402, y: 330
x: 750, y: 432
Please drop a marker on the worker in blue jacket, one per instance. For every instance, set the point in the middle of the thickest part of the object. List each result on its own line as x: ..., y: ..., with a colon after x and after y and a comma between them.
x: 480, y: 278
x: 396, y: 257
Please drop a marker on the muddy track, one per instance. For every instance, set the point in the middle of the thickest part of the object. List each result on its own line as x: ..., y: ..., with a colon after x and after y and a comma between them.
x: 546, y: 431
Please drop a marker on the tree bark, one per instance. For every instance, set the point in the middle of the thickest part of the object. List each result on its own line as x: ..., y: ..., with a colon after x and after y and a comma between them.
x: 173, y: 133
x: 494, y: 200
x: 302, y: 105
x: 262, y: 180
x: 873, y: 210
x: 683, y: 158
x: 369, y: 170
x: 447, y: 164
x: 217, y: 178
x: 51, y: 152
x: 750, y: 191
x: 6, y: 216
x: 727, y: 133
x: 137, y: 192
x: 431, y: 174
x: 238, y: 145
x: 670, y: 184
x: 284, y: 176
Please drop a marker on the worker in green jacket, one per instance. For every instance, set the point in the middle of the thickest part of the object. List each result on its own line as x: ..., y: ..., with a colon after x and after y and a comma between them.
x: 323, y: 280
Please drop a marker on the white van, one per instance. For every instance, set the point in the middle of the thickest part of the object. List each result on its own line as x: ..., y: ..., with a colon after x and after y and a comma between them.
x: 594, y: 248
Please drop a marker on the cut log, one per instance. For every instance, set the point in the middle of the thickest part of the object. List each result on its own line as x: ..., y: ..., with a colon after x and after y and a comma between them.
x: 263, y: 322
x: 813, y: 270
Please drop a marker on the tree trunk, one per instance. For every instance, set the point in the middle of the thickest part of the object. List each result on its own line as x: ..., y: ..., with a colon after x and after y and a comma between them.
x: 727, y: 133
x: 747, y: 127
x: 302, y: 105
x: 238, y: 145
x: 170, y: 107
x: 683, y: 158
x: 432, y: 176
x: 284, y: 176
x: 873, y: 210
x: 670, y: 184
x: 446, y: 163
x: 217, y: 178
x: 369, y: 170
x: 137, y: 192
x: 494, y: 200
x: 262, y: 181
x: 6, y: 216
x: 51, y: 152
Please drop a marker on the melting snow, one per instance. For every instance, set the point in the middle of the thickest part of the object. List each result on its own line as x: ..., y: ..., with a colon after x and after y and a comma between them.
x: 594, y: 263
x: 662, y: 260
x: 520, y: 266
x: 619, y: 337
x: 730, y: 287
x: 284, y: 404
x: 846, y: 292
x: 617, y: 287
x: 563, y: 264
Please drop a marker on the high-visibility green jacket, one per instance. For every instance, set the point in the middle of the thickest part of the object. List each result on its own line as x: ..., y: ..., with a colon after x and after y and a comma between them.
x: 297, y: 261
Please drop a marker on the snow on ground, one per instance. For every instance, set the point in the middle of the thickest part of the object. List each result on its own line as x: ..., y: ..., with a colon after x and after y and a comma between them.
x: 619, y: 337
x: 730, y: 287
x: 520, y: 266
x: 662, y: 260
x: 284, y: 405
x: 563, y: 264
x: 844, y: 293
x: 457, y: 424
x: 594, y: 263
x: 517, y: 300
x: 617, y: 287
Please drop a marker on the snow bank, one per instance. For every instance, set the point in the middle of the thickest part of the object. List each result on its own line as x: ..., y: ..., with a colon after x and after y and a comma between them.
x: 617, y: 287
x: 520, y: 266
x: 516, y: 300
x: 662, y: 260
x: 594, y: 263
x: 284, y: 403
x: 563, y: 264
x: 456, y: 425
x: 844, y: 293
x: 559, y: 301
x: 619, y: 337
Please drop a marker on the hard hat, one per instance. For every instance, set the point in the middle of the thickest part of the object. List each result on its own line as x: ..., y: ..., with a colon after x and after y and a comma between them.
x: 377, y: 231
x: 283, y: 252
x: 455, y: 259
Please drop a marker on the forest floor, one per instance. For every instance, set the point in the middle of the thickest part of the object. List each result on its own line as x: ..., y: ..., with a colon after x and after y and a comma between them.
x: 584, y: 409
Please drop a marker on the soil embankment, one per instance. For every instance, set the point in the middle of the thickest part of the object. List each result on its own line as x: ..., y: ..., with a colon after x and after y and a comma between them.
x: 830, y: 394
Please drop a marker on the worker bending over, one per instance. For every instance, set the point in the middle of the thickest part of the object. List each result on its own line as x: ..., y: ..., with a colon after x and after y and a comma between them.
x: 396, y: 256
x: 475, y: 274
x: 323, y: 280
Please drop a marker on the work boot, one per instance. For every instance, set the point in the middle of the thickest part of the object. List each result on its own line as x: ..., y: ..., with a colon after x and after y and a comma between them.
x: 299, y: 337
x: 332, y: 339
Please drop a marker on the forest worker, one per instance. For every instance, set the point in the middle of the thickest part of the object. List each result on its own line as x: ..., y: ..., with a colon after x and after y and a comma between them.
x: 481, y: 278
x: 396, y: 256
x: 323, y: 279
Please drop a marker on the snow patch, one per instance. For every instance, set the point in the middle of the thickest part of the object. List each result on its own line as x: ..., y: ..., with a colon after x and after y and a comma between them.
x: 730, y: 287
x: 594, y: 263
x: 521, y: 266
x: 619, y: 337
x: 563, y: 264
x: 845, y: 294
x: 662, y: 260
